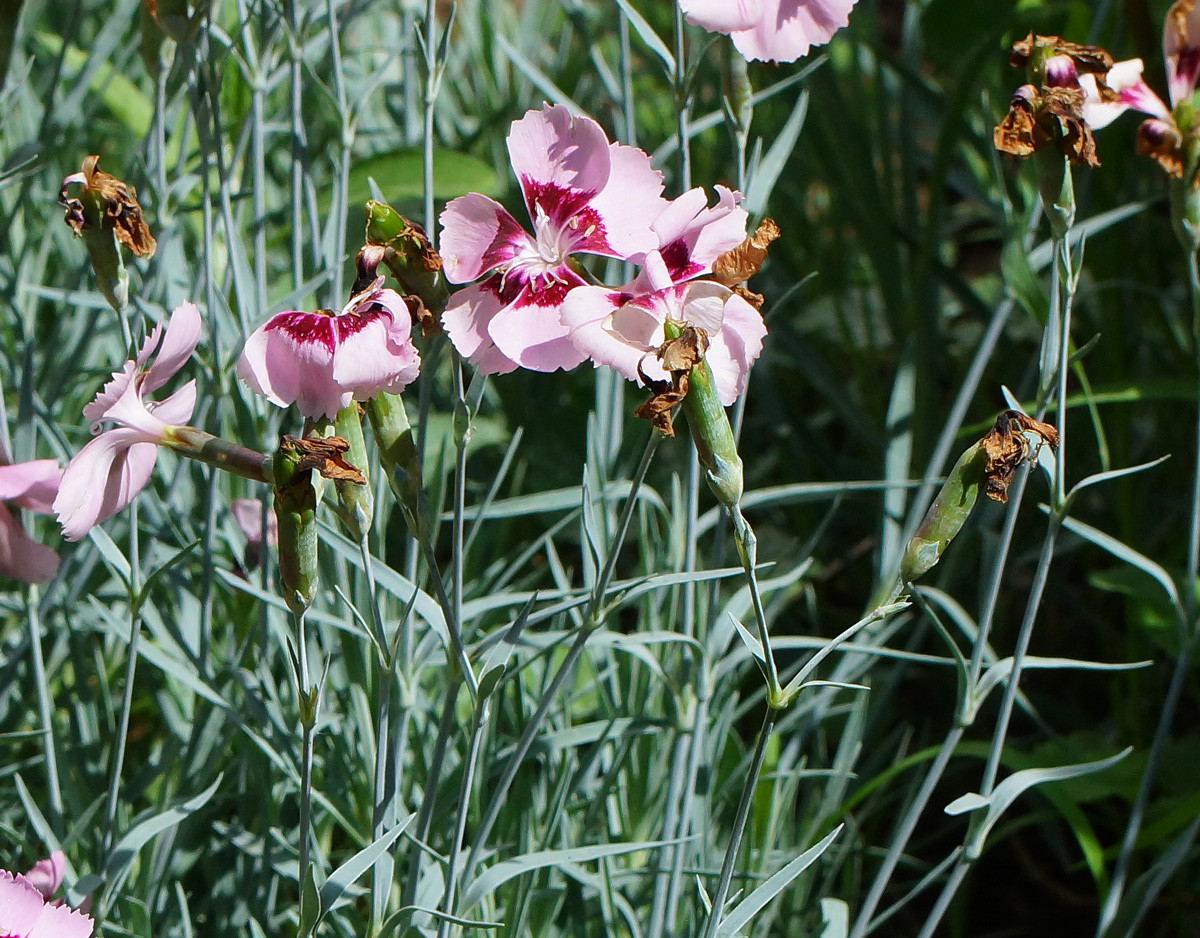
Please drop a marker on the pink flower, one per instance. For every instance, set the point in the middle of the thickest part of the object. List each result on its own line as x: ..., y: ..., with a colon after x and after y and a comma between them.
x: 1181, y: 50
x: 47, y: 875
x: 321, y: 361
x: 622, y: 328
x: 779, y: 30
x: 584, y: 195
x: 25, y: 913
x: 106, y: 474
x: 1125, y: 78
x: 31, y: 485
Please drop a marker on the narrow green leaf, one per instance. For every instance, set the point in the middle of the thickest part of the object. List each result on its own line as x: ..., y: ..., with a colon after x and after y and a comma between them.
x: 740, y: 915
x: 345, y: 875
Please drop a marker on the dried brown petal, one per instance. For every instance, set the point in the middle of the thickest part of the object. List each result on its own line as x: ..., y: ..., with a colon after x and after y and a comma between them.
x: 1007, y: 447
x: 745, y: 260
x: 1061, y: 116
x: 1016, y: 133
x: 430, y: 324
x: 1161, y: 141
x: 754, y: 299
x: 325, y: 456
x: 678, y: 356
x: 121, y: 208
x: 1176, y: 20
x: 1091, y: 59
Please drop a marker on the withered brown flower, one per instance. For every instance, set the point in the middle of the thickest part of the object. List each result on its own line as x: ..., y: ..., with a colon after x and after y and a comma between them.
x: 678, y: 357
x: 1088, y: 59
x: 325, y: 455
x: 1052, y: 116
x: 115, y: 203
x: 1006, y: 447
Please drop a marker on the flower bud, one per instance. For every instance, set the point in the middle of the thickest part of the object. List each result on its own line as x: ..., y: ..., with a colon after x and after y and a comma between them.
x: 947, y: 514
x: 409, y: 256
x: 1061, y: 72
x: 397, y: 445
x: 711, y: 432
x: 296, y: 515
x: 355, y: 502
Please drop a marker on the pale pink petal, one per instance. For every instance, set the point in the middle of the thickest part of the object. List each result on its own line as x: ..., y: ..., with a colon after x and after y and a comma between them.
x: 174, y: 411
x: 247, y: 515
x: 722, y: 16
x: 31, y: 485
x: 735, y: 347
x: 692, y: 235
x: 789, y: 27
x: 561, y: 161
x: 1125, y: 78
x: 613, y: 328
x: 47, y: 875
x: 378, y: 357
x: 466, y: 319
x: 530, y: 332
x: 102, y: 479
x: 617, y: 221
x: 478, y: 235
x: 60, y: 921
x: 1181, y: 53
x: 23, y: 558
x: 289, y: 360
x: 20, y: 905
x: 112, y: 390
x: 181, y: 338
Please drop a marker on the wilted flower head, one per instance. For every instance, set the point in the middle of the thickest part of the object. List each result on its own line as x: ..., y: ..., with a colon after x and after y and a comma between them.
x: 1049, y: 111
x: 779, y: 30
x: 321, y: 361
x: 25, y: 911
x: 622, y: 328
x: 31, y: 485
x: 584, y: 195
x: 106, y: 474
x: 117, y: 203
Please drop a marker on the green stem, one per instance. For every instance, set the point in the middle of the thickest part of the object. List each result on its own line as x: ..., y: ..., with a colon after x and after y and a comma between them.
x: 739, y: 822
x: 45, y: 710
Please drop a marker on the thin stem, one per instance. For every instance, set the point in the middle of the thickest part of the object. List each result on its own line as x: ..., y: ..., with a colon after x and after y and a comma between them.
x: 45, y: 711
x: 464, y: 800
x: 298, y: 145
x: 739, y: 822
x: 431, y: 89
x: 135, y: 631
x: 307, y: 725
x: 681, y: 104
x: 747, y: 545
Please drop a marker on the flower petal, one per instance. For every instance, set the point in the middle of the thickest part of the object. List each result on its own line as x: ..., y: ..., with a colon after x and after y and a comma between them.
x: 181, y: 338
x: 289, y: 359
x: 377, y: 357
x: 614, y: 328
x: 735, y: 347
x: 1181, y: 50
x: 617, y: 223
x: 31, y: 485
x: 20, y: 905
x: 23, y: 558
x: 102, y: 479
x: 722, y: 16
x: 530, y: 331
x: 561, y: 161
x: 60, y: 921
x: 692, y: 235
x: 466, y: 320
x: 788, y: 28
x: 478, y: 235
x: 47, y: 875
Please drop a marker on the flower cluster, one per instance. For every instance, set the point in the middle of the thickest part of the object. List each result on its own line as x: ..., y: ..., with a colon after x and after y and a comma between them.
x: 535, y: 308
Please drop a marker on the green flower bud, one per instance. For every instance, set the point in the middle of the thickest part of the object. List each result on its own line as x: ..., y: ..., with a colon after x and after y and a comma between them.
x: 711, y: 432
x: 296, y: 514
x: 356, y: 503
x: 397, y: 444
x: 947, y: 514
x: 410, y: 257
